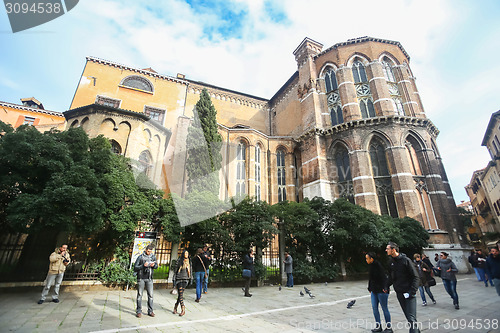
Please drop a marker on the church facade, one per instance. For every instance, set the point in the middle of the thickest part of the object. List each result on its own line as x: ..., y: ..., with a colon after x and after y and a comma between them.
x: 348, y: 123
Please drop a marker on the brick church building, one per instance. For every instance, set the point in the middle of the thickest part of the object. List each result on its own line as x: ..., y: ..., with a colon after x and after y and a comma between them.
x: 349, y: 122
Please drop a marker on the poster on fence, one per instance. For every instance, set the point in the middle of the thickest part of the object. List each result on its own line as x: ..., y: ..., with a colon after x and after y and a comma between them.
x: 142, y: 239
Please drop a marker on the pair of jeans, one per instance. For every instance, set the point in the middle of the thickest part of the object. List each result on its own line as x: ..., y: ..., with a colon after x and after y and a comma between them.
x: 289, y: 280
x: 409, y: 307
x: 205, y: 281
x: 423, y: 290
x: 477, y: 273
x: 199, y: 283
x: 381, y: 298
x: 49, y: 281
x: 148, y: 284
x: 451, y: 288
x: 485, y: 276
x: 497, y: 285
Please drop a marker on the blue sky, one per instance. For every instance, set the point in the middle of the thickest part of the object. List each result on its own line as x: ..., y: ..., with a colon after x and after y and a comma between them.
x: 247, y: 45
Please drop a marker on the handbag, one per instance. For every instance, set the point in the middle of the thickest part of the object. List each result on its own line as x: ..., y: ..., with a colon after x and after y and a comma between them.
x: 247, y: 273
x: 431, y: 281
x: 203, y: 267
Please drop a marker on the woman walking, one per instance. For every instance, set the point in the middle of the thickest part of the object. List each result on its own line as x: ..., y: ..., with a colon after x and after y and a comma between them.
x: 378, y: 286
x: 182, y: 278
x: 448, y: 270
x: 424, y: 272
x: 200, y: 271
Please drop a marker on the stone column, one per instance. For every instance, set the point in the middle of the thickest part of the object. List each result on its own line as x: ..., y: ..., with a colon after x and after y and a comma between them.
x: 314, y: 168
x: 379, y: 89
x: 365, y: 193
x: 412, y: 105
x: 251, y: 171
x: 348, y: 97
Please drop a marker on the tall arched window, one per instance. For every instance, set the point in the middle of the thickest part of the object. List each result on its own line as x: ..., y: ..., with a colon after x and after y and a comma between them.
x: 336, y: 115
x: 258, y: 152
x: 366, y: 107
x: 387, y: 68
x: 344, y: 178
x: 280, y: 161
x: 333, y: 98
x: 359, y: 72
x: 417, y: 163
x: 382, y: 178
x: 330, y: 81
x: 145, y: 163
x: 241, y: 169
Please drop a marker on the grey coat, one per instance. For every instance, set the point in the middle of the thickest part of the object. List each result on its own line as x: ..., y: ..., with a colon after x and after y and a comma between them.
x: 446, y: 264
x: 288, y: 264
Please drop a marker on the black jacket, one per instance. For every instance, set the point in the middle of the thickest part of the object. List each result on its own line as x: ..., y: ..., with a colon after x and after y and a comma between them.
x: 493, y: 265
x: 404, y: 276
x: 248, y: 263
x: 145, y: 273
x: 197, y: 263
x: 379, y: 280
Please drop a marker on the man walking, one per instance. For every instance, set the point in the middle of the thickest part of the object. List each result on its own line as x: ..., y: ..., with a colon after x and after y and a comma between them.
x: 144, y: 266
x: 208, y: 261
x: 404, y: 277
x: 483, y: 270
x: 493, y: 265
x: 59, y: 259
x: 288, y: 269
x: 473, y: 263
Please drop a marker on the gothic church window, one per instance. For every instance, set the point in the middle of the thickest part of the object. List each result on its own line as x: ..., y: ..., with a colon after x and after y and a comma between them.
x: 137, y: 82
x: 333, y: 98
x: 382, y: 178
x: 116, y: 148
x: 257, y: 172
x: 359, y: 72
x: 367, y: 109
x: 280, y: 161
x: 241, y: 169
x: 396, y: 99
x: 330, y: 81
x: 344, y: 178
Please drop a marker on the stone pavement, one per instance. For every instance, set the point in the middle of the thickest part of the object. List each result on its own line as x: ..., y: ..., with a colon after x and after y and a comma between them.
x: 269, y: 310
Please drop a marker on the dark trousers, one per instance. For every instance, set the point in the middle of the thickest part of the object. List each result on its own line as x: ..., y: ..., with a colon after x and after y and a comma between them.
x: 247, y: 285
x: 409, y: 307
x: 148, y: 284
x: 289, y: 280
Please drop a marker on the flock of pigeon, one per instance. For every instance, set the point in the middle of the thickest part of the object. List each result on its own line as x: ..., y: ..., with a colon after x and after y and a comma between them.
x: 308, y: 291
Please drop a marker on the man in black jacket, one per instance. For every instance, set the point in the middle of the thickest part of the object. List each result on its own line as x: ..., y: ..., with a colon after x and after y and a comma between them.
x: 405, y: 280
x: 144, y: 266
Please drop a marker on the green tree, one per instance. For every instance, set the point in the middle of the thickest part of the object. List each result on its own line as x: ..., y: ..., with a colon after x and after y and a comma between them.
x: 204, y: 144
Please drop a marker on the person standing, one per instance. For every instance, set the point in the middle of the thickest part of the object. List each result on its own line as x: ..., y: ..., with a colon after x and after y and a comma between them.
x: 248, y: 260
x: 199, y: 272
x: 473, y: 262
x: 424, y: 272
x: 58, y: 261
x: 448, y: 269
x: 493, y: 264
x: 483, y: 270
x: 145, y: 264
x: 182, y: 278
x: 208, y: 262
x: 404, y: 278
x: 288, y: 269
x: 378, y: 286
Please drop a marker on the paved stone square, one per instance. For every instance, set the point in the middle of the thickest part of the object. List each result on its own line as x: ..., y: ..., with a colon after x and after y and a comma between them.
x: 269, y: 310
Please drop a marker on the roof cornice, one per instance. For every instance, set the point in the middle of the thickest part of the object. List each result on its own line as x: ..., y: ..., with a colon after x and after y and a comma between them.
x: 362, y: 40
x: 136, y: 70
x: 27, y: 108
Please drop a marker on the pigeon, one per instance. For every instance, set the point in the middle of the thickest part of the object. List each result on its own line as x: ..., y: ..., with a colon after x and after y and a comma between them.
x: 307, y: 290
x: 279, y: 288
x: 351, y: 303
x: 326, y: 283
x: 301, y: 293
x: 311, y: 295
